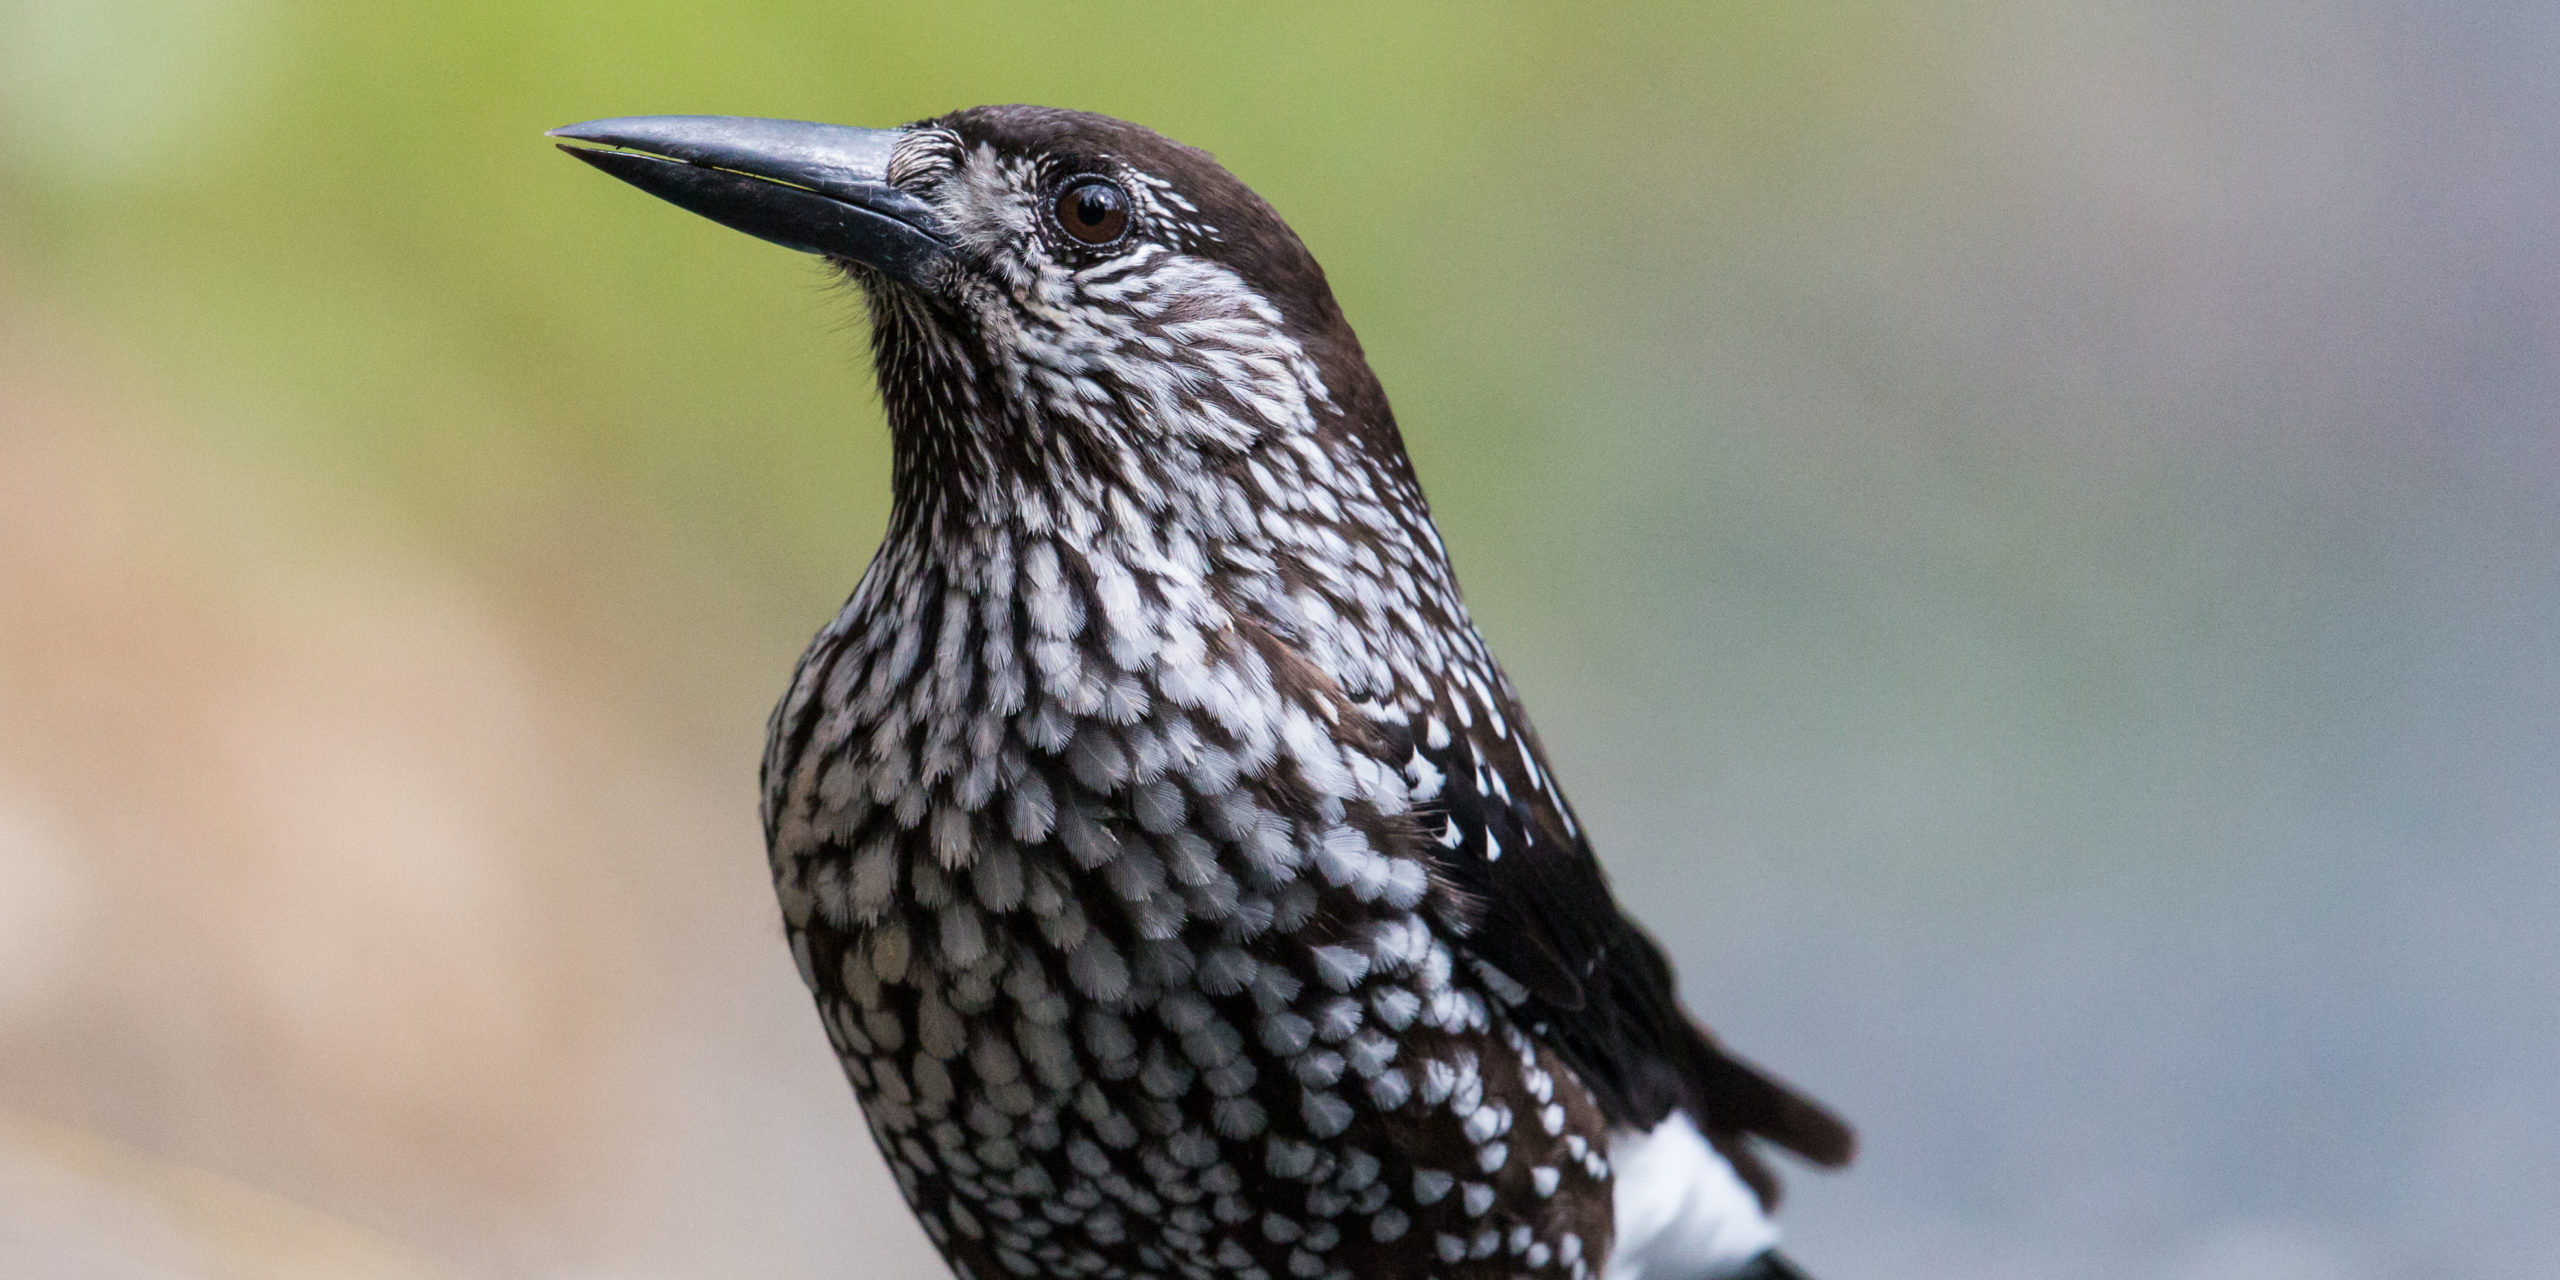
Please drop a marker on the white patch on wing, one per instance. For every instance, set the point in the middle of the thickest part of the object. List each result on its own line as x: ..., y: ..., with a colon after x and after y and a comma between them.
x: 1682, y: 1212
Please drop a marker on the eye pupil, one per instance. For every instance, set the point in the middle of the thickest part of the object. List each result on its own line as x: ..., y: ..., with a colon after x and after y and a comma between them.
x: 1094, y: 211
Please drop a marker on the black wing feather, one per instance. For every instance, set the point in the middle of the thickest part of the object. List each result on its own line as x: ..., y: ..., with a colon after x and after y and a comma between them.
x: 1590, y: 982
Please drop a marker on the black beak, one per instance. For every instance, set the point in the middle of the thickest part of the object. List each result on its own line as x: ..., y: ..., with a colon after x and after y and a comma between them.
x: 818, y: 188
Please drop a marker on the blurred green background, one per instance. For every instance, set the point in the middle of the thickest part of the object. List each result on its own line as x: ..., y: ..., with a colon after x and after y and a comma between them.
x: 2031, y: 528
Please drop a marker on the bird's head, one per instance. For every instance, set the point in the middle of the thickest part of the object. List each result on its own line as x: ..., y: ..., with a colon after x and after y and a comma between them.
x: 1054, y: 294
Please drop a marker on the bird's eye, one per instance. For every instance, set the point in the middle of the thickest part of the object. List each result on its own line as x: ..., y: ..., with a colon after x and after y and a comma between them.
x: 1094, y: 210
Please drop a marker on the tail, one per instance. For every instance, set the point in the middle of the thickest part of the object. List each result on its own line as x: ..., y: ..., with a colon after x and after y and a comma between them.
x: 1733, y: 1099
x: 1771, y: 1265
x: 1742, y: 1101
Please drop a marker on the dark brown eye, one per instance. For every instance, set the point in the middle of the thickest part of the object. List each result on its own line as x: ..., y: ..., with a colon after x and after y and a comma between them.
x: 1094, y: 211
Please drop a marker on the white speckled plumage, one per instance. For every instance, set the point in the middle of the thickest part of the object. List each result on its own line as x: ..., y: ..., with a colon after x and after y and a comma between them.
x: 1179, y: 881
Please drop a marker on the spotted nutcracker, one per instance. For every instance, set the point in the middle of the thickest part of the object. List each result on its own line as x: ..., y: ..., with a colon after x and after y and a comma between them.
x: 1180, y: 882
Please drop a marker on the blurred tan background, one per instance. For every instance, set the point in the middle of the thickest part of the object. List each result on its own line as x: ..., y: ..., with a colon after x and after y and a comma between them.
x: 2029, y: 526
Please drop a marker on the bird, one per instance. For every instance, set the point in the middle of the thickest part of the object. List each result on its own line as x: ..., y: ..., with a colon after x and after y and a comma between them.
x: 1180, y: 883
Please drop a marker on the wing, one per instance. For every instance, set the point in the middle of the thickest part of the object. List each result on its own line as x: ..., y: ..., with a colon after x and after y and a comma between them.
x: 1578, y: 972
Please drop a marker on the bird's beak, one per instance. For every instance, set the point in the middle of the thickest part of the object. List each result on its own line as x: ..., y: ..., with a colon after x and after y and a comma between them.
x: 818, y: 188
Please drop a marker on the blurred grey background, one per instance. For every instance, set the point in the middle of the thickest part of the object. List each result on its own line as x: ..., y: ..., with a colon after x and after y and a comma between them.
x: 2031, y: 528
